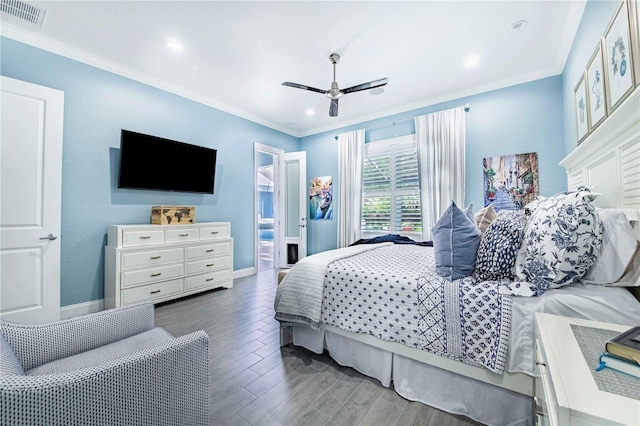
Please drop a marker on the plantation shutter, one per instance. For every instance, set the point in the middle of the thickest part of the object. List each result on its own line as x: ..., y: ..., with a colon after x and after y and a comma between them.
x: 376, y: 196
x: 407, y: 192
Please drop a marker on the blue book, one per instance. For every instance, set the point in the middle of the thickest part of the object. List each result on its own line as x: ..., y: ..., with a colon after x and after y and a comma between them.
x: 619, y: 364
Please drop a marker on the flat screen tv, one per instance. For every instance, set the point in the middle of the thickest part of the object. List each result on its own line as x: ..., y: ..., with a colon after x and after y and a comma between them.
x: 150, y: 162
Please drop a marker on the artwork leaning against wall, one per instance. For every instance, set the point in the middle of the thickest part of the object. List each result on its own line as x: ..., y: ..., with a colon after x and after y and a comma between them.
x: 510, y: 181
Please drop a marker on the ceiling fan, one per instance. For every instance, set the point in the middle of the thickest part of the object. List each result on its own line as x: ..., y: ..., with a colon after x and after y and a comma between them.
x: 335, y: 93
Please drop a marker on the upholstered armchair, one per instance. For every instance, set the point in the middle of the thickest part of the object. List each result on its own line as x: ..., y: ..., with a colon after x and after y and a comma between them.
x: 109, y: 368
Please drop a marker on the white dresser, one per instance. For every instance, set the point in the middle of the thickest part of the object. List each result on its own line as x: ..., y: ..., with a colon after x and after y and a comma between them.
x: 164, y: 262
x: 565, y: 391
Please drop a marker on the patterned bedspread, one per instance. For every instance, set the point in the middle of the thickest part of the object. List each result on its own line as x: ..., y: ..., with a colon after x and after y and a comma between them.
x: 395, y: 294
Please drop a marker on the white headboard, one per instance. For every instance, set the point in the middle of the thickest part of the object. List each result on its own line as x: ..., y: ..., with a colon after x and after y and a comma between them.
x: 608, y: 160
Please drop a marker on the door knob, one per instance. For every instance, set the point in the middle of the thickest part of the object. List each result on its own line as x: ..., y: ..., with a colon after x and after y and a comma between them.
x: 49, y: 237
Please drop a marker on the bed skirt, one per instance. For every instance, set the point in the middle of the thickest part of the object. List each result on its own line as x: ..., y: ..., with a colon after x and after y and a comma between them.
x: 416, y: 381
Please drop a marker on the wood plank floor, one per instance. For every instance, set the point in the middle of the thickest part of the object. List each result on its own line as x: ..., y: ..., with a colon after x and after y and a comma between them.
x: 256, y: 382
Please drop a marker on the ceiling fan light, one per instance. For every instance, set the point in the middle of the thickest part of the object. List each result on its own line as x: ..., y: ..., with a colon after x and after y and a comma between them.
x: 376, y: 91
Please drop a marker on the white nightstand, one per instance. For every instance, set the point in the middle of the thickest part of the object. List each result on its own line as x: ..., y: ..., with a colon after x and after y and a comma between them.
x: 566, y: 392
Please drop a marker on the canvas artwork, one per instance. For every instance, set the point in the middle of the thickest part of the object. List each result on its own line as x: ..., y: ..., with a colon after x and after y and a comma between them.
x: 510, y: 181
x: 321, y: 198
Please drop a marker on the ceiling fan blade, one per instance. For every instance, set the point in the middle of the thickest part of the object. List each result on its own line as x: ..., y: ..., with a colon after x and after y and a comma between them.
x: 303, y: 87
x: 333, y: 108
x: 365, y: 86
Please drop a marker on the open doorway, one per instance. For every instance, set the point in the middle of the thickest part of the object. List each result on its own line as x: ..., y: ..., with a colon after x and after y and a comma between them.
x: 266, y: 207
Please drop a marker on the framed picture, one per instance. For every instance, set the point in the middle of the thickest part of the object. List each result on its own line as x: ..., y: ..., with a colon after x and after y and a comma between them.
x: 596, y: 89
x: 618, y: 58
x: 634, y: 18
x: 582, y: 109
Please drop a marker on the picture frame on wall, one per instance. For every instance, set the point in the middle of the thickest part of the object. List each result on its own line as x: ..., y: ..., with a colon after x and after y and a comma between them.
x: 582, y: 109
x: 618, y: 58
x: 633, y: 9
x: 596, y: 89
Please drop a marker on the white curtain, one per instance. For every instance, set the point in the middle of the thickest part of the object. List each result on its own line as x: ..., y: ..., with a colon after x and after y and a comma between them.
x: 440, y: 138
x: 350, y: 162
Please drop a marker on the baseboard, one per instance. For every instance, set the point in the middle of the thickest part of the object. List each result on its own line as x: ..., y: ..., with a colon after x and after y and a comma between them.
x: 240, y: 273
x: 84, y: 308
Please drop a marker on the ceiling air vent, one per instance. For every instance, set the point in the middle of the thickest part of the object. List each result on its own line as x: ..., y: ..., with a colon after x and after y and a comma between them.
x: 23, y: 11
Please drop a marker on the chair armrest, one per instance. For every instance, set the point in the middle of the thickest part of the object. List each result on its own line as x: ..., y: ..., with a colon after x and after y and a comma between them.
x: 37, y: 344
x: 166, y: 384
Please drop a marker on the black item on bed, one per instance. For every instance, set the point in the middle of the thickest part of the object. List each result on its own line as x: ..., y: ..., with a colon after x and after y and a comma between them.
x: 392, y: 238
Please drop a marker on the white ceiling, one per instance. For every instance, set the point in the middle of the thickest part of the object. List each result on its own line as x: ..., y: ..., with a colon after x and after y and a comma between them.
x: 236, y: 54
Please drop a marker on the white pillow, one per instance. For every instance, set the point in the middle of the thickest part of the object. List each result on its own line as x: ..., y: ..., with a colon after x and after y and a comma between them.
x: 631, y: 276
x: 618, y: 246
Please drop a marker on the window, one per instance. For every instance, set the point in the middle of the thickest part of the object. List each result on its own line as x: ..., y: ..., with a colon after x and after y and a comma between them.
x: 390, y: 188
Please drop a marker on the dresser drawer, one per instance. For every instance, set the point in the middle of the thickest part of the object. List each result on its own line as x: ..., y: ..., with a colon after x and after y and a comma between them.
x: 181, y: 235
x: 142, y: 238
x: 148, y: 275
x: 151, y: 257
x: 151, y: 291
x: 207, y: 280
x: 212, y: 264
x: 208, y: 250
x: 214, y: 232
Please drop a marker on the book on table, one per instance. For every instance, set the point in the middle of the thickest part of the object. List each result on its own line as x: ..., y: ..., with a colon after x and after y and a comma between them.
x: 619, y: 364
x: 626, y: 345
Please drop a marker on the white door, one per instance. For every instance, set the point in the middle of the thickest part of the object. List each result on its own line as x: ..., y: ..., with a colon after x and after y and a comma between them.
x: 293, y: 208
x: 31, y: 119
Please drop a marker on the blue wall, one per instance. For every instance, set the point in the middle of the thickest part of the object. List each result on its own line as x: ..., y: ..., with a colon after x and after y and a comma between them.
x: 595, y: 19
x: 518, y: 119
x: 97, y: 105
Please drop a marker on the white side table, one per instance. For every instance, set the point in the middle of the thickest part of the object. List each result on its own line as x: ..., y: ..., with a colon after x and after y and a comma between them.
x: 565, y: 392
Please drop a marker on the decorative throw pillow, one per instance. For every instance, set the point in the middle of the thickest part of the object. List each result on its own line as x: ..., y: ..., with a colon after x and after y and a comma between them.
x: 616, y: 251
x: 499, y: 246
x: 9, y: 363
x: 484, y: 218
x: 455, y: 243
x: 561, y: 242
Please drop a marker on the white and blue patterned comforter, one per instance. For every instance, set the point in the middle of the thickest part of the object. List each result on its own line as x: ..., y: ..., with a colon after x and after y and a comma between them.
x: 394, y: 293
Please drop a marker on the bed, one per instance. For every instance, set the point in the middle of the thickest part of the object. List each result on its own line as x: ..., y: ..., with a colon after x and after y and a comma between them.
x: 388, y: 328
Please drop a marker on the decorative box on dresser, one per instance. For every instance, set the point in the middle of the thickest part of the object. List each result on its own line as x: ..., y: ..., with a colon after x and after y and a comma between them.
x: 565, y: 391
x: 164, y: 262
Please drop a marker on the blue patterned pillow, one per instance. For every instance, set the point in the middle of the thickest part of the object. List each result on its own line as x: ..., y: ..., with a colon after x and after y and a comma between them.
x: 499, y: 246
x: 455, y: 243
x: 561, y: 242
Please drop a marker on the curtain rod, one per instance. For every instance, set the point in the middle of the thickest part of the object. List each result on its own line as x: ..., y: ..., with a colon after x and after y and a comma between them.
x: 467, y: 108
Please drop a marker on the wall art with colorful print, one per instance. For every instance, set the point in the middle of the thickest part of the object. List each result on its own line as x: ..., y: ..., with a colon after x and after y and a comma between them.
x: 321, y: 198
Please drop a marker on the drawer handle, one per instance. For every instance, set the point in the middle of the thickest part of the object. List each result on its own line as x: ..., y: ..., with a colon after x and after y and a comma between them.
x: 155, y: 257
x: 540, y: 363
x: 184, y: 235
x: 209, y: 279
x: 144, y: 237
x: 210, y: 264
x: 214, y: 232
x: 154, y: 291
x: 156, y: 275
x: 209, y: 251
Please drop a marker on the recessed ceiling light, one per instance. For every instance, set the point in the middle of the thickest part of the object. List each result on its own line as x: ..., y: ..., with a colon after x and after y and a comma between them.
x: 376, y: 91
x: 291, y: 124
x: 174, y: 45
x: 518, y: 24
x: 311, y: 112
x: 471, y: 61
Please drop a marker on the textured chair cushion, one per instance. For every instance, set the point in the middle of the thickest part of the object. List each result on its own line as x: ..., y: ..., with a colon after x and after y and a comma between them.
x: 499, y: 246
x: 9, y: 364
x: 105, y: 353
x: 455, y: 243
x: 561, y: 242
x: 484, y: 218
